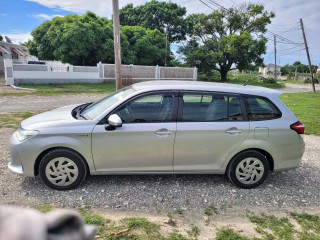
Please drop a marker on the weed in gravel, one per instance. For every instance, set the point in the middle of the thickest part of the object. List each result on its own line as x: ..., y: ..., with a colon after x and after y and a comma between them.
x: 179, y: 212
x: 229, y: 234
x: 44, y: 208
x: 194, y: 232
x: 210, y: 210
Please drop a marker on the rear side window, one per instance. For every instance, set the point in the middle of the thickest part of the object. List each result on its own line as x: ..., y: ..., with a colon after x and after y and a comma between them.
x: 210, y: 107
x: 261, y: 109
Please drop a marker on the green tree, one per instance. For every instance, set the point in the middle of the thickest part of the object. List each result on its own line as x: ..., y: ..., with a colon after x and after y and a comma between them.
x: 88, y: 39
x: 79, y: 40
x: 145, y: 46
x: 1, y: 38
x: 226, y: 38
x: 157, y: 15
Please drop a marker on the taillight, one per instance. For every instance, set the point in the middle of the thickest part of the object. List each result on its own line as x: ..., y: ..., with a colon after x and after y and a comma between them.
x: 298, y: 127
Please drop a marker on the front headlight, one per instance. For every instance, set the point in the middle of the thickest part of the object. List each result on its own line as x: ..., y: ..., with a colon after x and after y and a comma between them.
x: 25, y: 134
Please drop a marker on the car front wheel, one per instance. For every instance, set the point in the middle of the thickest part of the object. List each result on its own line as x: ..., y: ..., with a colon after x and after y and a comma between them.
x: 248, y: 169
x: 62, y: 169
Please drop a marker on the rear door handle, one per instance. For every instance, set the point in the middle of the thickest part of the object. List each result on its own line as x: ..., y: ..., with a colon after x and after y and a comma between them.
x: 233, y: 131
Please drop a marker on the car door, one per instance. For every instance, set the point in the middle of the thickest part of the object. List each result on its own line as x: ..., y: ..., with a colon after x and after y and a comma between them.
x: 210, y: 127
x: 145, y: 141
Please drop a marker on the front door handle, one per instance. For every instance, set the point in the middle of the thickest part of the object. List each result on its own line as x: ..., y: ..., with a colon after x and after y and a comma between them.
x: 233, y: 131
x: 163, y: 132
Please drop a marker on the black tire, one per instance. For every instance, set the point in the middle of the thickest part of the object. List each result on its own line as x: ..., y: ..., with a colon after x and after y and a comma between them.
x: 248, y: 169
x: 63, y: 169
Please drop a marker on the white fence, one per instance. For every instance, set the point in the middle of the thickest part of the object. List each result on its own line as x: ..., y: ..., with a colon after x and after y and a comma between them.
x: 65, y: 73
x: 45, y: 74
x: 142, y: 73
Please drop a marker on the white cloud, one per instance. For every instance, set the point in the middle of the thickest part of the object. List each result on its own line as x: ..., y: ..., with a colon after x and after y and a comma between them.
x: 43, y: 16
x: 100, y: 7
x: 18, y: 36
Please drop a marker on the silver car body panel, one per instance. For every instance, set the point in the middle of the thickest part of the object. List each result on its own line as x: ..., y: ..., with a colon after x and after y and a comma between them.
x: 179, y: 147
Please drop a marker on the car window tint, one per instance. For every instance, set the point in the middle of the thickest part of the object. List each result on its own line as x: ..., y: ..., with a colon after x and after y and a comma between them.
x: 150, y: 108
x: 210, y: 107
x: 261, y: 109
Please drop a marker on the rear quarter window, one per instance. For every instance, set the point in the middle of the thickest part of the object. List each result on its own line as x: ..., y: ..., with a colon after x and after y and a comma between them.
x: 259, y: 108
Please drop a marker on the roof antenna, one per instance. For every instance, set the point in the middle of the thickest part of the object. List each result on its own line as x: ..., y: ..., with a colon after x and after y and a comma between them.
x: 245, y: 83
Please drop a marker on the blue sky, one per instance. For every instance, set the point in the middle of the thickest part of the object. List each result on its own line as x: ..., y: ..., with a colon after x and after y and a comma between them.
x: 19, y: 17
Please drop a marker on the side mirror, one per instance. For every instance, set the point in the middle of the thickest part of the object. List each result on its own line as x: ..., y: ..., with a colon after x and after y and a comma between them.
x: 114, y: 120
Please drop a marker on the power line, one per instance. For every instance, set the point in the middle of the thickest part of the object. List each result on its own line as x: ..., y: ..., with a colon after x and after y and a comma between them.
x: 283, y: 38
x: 207, y: 5
x: 292, y: 52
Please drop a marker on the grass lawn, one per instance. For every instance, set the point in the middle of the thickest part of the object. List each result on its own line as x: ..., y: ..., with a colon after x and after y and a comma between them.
x: 306, y: 107
x: 12, y: 120
x: 57, y: 89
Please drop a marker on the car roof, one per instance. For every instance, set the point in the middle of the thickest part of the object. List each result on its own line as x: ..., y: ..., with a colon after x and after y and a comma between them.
x: 204, y: 86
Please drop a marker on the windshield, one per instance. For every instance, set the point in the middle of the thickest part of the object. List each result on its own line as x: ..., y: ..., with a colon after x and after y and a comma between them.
x: 100, y: 106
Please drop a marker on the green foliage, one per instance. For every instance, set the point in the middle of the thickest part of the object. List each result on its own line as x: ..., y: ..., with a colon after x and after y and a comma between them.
x: 255, y: 80
x: 79, y: 40
x: 88, y: 39
x: 227, y: 37
x: 194, y: 232
x: 229, y: 234
x: 12, y: 120
x: 268, y: 80
x: 1, y: 38
x: 175, y: 236
x: 144, y: 46
x: 44, y: 208
x: 301, y: 68
x: 157, y: 15
x: 310, y: 225
x: 210, y: 210
x: 280, y: 227
x: 306, y: 107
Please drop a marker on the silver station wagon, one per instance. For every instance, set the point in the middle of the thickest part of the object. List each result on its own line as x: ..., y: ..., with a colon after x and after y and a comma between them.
x: 162, y: 127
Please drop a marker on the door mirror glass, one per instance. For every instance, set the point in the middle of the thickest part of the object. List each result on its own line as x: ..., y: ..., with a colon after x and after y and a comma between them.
x: 114, y: 120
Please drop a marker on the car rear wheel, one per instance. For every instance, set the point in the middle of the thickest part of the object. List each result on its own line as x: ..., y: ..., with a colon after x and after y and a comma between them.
x: 248, y: 169
x: 62, y: 169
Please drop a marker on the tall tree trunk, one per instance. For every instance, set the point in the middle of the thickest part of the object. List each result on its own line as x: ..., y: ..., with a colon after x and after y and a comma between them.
x: 223, y: 73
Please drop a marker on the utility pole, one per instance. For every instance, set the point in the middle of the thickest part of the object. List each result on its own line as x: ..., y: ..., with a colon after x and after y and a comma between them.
x: 166, y: 53
x: 275, y: 57
x: 117, y: 46
x: 308, y: 55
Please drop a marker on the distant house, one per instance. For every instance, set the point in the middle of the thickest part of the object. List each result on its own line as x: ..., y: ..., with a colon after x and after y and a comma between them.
x: 16, y: 52
x: 268, y: 70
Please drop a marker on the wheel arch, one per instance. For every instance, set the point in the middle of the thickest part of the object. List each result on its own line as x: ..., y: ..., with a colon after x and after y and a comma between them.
x: 43, y: 153
x: 263, y: 152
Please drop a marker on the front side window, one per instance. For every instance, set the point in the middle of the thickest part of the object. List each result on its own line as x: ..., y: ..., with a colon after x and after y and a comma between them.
x: 261, y: 109
x: 211, y: 107
x: 148, y: 109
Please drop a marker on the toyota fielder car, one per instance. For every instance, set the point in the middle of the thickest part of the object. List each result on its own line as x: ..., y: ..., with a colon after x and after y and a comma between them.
x: 162, y: 127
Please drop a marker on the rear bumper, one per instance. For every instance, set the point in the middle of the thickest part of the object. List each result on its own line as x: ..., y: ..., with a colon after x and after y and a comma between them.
x: 288, y: 156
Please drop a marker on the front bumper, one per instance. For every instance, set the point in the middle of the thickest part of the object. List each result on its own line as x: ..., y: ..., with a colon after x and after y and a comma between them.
x: 23, y: 156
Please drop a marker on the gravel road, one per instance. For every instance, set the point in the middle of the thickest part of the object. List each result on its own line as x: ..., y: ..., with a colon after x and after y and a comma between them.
x: 290, y: 189
x: 294, y: 188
